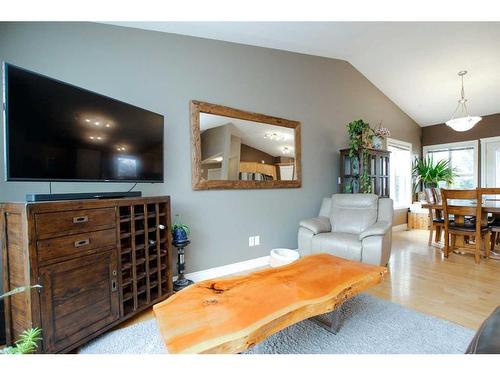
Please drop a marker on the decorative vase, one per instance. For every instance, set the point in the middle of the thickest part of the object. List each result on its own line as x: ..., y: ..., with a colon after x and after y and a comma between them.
x: 377, y: 142
x: 179, y: 235
x: 430, y: 185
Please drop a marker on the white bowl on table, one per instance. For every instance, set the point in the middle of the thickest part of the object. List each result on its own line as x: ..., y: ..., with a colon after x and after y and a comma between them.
x: 280, y: 257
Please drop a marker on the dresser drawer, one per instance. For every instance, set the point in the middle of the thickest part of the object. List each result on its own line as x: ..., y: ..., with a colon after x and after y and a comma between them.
x: 55, y: 224
x: 63, y: 247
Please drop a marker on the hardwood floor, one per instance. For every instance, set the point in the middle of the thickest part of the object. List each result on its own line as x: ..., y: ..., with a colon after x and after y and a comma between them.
x: 455, y: 289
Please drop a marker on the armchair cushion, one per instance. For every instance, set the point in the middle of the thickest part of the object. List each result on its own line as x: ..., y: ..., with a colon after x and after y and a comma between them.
x: 378, y: 229
x: 344, y: 245
x: 317, y: 224
x: 353, y: 213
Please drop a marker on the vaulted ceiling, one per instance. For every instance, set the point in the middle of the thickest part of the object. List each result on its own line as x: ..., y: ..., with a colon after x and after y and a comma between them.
x: 414, y: 63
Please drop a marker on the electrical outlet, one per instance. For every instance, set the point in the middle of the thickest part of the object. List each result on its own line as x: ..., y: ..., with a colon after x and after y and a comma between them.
x: 257, y: 240
x: 251, y: 241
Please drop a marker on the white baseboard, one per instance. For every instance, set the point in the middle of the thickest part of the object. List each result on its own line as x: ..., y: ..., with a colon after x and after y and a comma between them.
x: 400, y: 227
x: 228, y: 269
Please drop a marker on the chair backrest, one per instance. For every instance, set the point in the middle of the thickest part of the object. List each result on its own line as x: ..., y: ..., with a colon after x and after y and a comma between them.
x: 433, y: 196
x: 326, y: 207
x: 488, y: 192
x: 471, y: 205
x: 353, y: 213
x: 385, y: 210
x: 491, y: 196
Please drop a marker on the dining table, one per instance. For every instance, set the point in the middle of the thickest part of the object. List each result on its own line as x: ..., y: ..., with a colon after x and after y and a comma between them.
x: 489, y: 206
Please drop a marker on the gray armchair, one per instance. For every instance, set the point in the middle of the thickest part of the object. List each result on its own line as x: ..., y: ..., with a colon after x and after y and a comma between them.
x: 351, y: 226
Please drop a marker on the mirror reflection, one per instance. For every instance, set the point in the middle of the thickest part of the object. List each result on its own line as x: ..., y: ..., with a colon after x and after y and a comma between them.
x: 240, y: 150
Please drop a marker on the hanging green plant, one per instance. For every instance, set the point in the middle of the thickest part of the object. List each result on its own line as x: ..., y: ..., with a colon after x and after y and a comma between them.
x: 360, y: 135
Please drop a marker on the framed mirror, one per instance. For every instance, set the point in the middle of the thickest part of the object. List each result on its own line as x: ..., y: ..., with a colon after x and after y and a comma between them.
x: 235, y: 149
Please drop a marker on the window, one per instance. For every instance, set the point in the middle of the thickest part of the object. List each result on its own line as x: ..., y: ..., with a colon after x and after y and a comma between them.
x: 400, y: 165
x: 490, y: 162
x: 463, y: 158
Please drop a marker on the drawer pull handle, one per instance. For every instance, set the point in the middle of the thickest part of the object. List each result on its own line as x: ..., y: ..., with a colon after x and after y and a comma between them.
x: 80, y: 219
x: 84, y: 242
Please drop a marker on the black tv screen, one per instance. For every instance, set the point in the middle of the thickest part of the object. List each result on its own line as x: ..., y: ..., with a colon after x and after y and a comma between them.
x: 55, y: 131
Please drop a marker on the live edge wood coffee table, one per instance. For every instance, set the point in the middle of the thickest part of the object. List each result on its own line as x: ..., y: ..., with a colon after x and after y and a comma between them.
x: 231, y: 315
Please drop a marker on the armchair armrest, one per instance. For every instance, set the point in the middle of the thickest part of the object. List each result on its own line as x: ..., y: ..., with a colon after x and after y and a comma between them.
x: 380, y: 228
x: 317, y: 225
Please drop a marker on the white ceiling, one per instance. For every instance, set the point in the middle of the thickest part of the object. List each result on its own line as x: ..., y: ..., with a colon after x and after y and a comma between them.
x: 252, y: 134
x: 414, y: 64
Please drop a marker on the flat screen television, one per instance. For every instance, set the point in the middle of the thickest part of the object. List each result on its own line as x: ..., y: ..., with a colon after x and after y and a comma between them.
x: 55, y: 131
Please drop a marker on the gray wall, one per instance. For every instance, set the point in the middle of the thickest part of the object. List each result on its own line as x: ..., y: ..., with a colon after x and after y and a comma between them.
x: 163, y: 72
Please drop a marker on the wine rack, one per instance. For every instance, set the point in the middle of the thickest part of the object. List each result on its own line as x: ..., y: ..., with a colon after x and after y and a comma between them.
x: 145, y: 255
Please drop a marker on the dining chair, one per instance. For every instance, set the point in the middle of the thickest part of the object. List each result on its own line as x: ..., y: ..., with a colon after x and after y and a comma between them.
x: 469, y: 205
x: 436, y: 220
x: 495, y: 222
x: 495, y: 233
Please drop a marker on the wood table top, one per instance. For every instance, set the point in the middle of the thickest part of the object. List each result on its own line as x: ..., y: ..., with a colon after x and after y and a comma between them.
x: 231, y: 315
x: 488, y: 205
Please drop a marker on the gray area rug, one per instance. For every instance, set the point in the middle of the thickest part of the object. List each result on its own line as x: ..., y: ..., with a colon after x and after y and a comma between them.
x: 370, y: 326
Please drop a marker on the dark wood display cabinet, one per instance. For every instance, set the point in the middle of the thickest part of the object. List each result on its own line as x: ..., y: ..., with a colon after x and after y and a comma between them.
x: 99, y: 262
x: 377, y: 166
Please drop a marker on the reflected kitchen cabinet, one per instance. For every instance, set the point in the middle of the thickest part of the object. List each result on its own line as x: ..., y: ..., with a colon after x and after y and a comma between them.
x: 235, y: 149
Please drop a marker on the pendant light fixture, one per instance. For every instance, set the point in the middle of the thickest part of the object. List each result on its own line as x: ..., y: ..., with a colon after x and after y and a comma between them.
x: 461, y: 120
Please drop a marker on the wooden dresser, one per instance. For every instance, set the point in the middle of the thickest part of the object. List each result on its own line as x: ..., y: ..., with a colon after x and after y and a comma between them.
x: 99, y: 262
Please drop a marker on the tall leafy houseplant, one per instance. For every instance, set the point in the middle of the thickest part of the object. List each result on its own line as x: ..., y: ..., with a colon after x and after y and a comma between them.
x: 360, y: 134
x: 430, y: 174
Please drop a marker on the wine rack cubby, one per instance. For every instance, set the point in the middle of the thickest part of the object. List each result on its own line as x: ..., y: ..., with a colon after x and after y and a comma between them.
x: 145, y: 254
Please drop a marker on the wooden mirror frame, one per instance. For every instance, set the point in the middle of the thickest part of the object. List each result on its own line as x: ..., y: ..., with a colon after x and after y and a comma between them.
x: 197, y: 108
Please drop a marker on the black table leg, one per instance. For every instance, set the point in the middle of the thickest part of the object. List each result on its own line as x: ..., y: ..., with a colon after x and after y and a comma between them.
x: 334, y: 324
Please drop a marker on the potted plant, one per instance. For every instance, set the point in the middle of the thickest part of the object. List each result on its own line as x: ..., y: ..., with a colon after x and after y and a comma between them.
x: 180, y: 231
x: 27, y: 343
x: 379, y: 134
x: 430, y: 174
x: 28, y: 340
x: 360, y: 135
